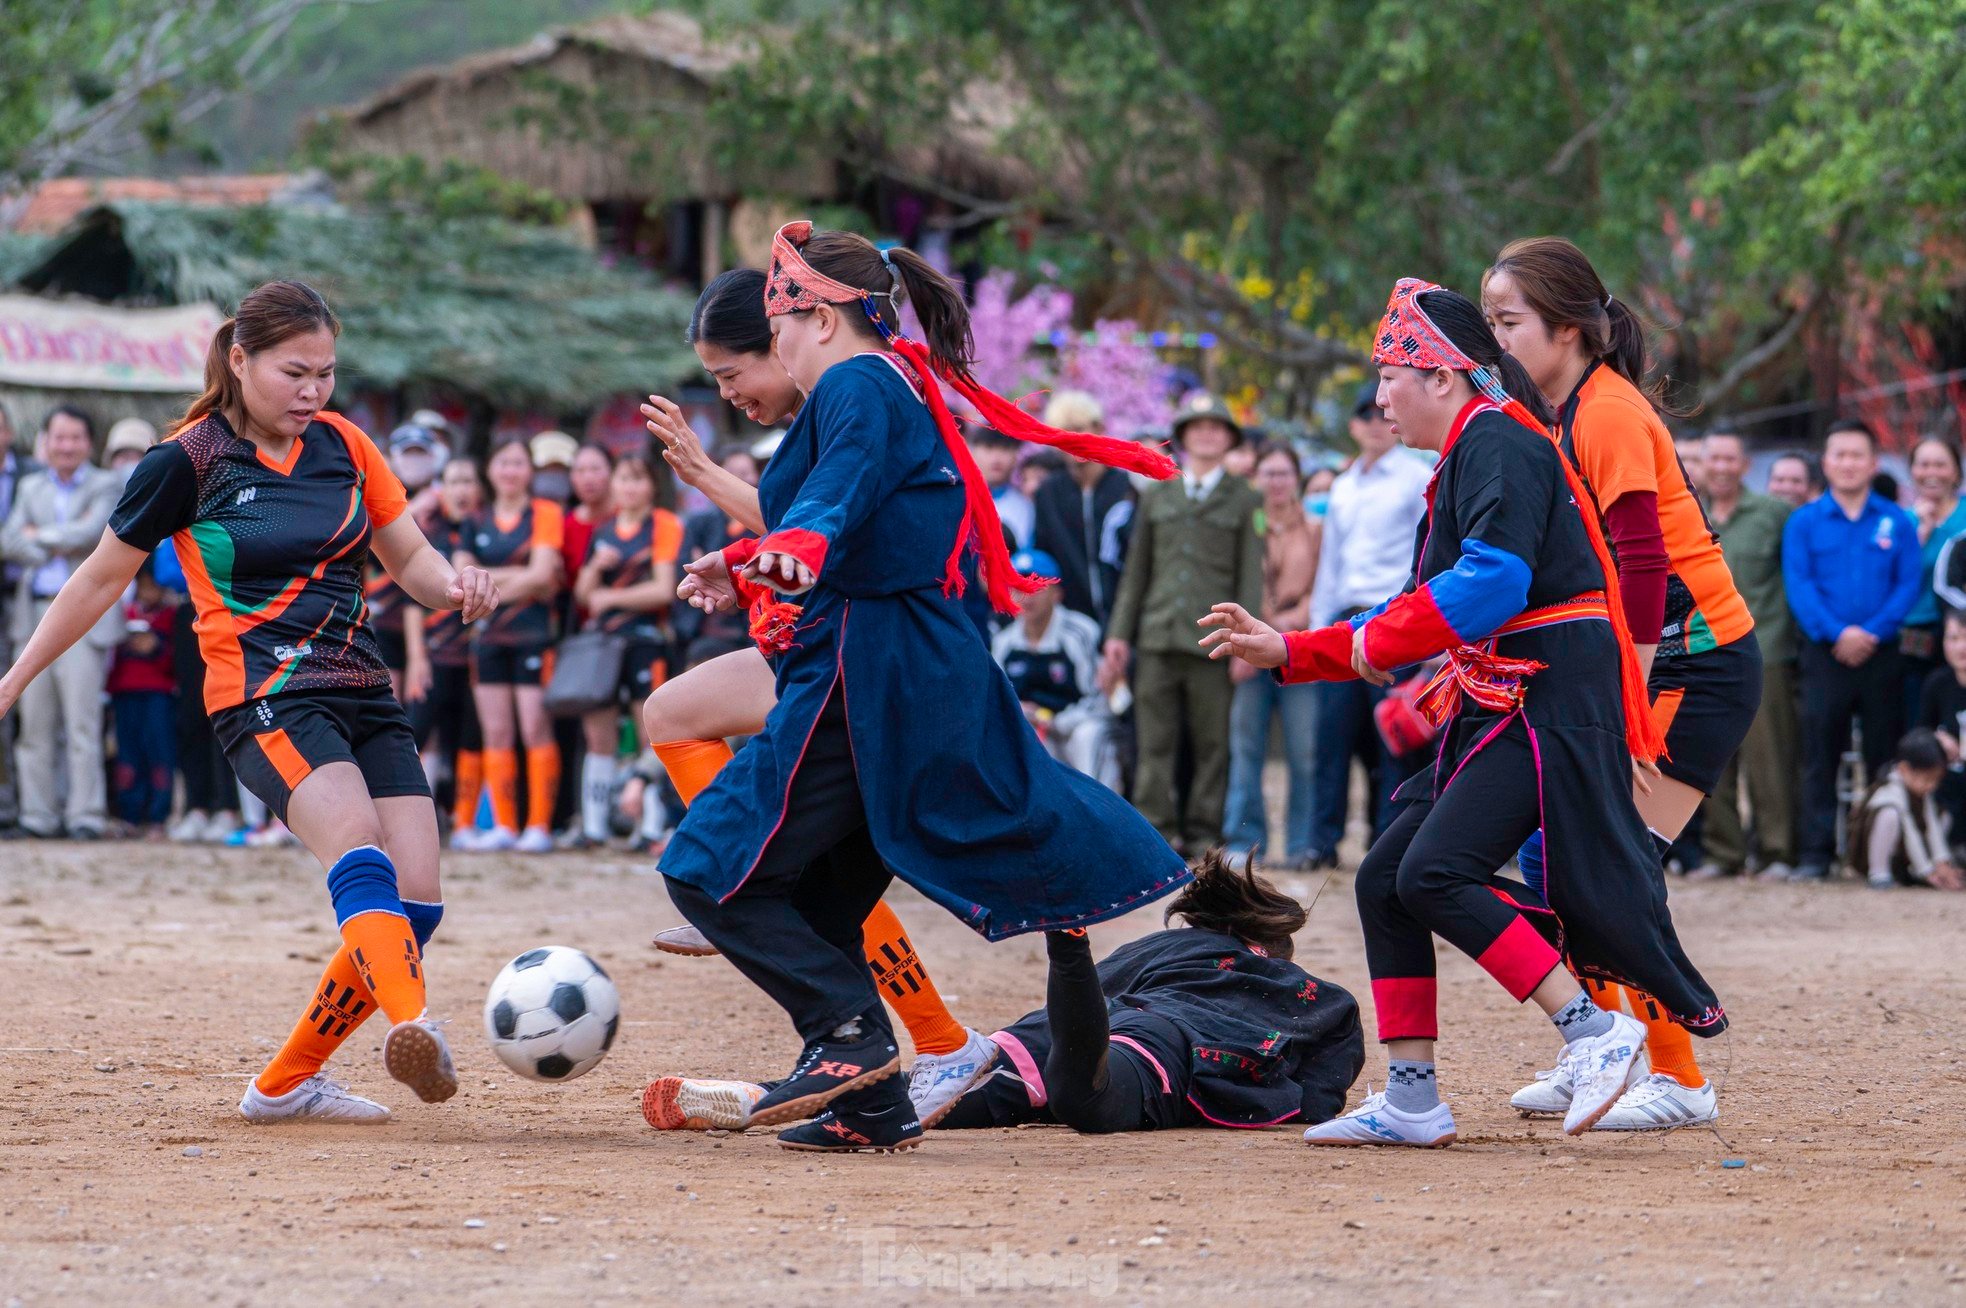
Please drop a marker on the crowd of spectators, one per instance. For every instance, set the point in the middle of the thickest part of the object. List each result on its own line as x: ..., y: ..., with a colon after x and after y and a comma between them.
x: 1859, y: 603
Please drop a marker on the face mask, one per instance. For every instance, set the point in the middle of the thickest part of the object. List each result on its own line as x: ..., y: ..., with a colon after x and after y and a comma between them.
x: 552, y: 484
x: 1315, y: 505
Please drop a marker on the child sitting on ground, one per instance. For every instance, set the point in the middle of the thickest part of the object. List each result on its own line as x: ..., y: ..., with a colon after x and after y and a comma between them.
x: 1899, y: 834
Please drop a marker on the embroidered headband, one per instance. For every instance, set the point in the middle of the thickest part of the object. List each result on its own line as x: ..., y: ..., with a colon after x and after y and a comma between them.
x: 793, y: 285
x: 1409, y: 339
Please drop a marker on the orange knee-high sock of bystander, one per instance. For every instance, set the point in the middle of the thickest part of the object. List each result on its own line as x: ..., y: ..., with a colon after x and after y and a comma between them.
x: 691, y: 764
x: 904, y: 983
x: 542, y: 784
x: 502, y: 779
x: 1667, y: 1045
x: 470, y: 775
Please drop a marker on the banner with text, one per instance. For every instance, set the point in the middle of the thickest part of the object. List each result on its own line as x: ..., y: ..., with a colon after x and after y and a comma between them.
x: 70, y: 345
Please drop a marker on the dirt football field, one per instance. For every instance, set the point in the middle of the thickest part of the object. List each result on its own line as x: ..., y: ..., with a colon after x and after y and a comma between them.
x: 144, y: 984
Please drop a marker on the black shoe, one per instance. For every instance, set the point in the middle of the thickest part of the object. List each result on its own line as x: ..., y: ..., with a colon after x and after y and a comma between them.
x: 826, y: 1070
x: 877, y: 1120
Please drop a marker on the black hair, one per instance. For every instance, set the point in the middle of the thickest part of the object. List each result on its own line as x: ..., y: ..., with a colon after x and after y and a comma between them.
x: 1844, y: 426
x: 1919, y: 749
x: 1460, y: 320
x: 1810, y: 468
x: 1267, y: 448
x: 730, y: 313
x: 939, y: 306
x: 1945, y: 444
x: 1559, y: 283
x: 1240, y: 904
x: 1885, y: 487
x: 71, y: 411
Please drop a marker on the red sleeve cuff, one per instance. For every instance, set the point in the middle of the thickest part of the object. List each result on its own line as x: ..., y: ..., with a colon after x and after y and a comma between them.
x: 1321, y: 655
x: 738, y: 553
x: 808, y: 547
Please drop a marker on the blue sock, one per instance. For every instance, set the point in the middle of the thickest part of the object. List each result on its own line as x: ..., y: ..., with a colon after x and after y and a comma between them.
x: 364, y: 881
x: 423, y: 918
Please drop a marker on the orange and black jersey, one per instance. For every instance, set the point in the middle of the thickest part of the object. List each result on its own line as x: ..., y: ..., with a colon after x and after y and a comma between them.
x: 446, y: 640
x: 386, y: 600
x: 658, y: 538
x: 273, y: 554
x: 495, y: 541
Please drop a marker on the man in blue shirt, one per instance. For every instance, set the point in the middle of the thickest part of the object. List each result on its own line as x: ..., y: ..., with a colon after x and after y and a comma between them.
x: 1850, y: 561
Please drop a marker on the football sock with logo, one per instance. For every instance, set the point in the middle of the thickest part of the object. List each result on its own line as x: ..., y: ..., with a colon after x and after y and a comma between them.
x: 1580, y: 1019
x: 341, y: 1003
x: 904, y: 983
x: 692, y: 764
x: 542, y: 784
x: 1410, y: 1086
x: 470, y: 770
x: 377, y: 931
x: 1667, y: 1045
x: 502, y: 779
x: 597, y: 773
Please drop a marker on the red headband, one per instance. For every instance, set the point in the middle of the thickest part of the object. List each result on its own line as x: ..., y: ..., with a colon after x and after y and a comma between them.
x: 793, y: 285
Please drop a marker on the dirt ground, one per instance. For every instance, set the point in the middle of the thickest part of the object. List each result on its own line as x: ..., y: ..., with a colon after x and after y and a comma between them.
x: 145, y: 983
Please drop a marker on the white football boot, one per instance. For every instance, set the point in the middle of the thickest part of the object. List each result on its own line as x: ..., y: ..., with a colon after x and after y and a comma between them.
x: 1376, y: 1122
x: 937, y: 1081
x: 1600, y: 1069
x: 1659, y: 1103
x: 315, y: 1099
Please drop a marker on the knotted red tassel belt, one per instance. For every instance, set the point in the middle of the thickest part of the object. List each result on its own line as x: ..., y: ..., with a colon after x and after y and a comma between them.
x: 1494, y: 682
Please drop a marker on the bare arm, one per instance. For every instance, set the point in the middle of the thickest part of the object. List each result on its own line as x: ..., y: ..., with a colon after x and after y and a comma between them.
x: 684, y: 453
x: 426, y: 578
x: 97, y: 582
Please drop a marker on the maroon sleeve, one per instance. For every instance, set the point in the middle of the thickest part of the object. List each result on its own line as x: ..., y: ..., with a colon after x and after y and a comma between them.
x: 1640, y: 546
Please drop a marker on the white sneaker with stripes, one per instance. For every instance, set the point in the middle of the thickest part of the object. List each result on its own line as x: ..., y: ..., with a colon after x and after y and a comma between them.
x: 1659, y: 1103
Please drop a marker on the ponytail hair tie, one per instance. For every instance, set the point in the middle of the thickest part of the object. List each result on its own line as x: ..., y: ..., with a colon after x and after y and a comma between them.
x: 1607, y: 299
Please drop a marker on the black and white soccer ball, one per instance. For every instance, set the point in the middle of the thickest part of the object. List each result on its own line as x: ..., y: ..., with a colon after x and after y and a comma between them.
x: 552, y: 1014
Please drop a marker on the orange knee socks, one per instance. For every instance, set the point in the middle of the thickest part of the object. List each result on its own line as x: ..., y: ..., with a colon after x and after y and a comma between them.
x: 502, y: 779
x: 542, y: 784
x: 388, y: 962
x: 691, y: 764
x: 1667, y: 1044
x: 470, y: 769
x: 903, y: 982
x: 341, y: 1003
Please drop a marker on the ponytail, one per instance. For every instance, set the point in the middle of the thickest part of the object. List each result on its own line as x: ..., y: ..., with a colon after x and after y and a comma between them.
x: 940, y: 307
x: 221, y: 386
x: 270, y: 313
x: 1625, y: 344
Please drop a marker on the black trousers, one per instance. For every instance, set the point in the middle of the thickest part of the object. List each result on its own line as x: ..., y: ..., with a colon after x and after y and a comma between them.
x: 1832, y: 695
x: 1091, y: 1086
x: 1433, y: 873
x: 794, y: 928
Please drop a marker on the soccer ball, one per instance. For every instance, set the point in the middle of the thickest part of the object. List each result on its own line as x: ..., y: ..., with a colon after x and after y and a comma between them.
x: 552, y: 1014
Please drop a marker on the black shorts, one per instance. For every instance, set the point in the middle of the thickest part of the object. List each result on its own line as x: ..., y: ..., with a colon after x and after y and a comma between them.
x: 274, y: 744
x: 644, y: 666
x: 447, y: 710
x: 530, y: 664
x: 1706, y: 702
x: 395, y: 651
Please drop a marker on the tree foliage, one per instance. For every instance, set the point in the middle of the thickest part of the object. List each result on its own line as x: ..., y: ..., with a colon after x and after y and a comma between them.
x: 1271, y: 166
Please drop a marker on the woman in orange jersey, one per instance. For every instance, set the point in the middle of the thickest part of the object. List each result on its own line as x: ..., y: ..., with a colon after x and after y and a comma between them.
x: 517, y: 537
x: 1585, y: 350
x: 274, y: 504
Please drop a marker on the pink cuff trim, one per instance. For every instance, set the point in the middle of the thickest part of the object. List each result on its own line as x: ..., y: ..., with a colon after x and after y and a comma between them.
x: 1027, y: 1067
x: 1166, y: 1087
x: 1408, y: 1007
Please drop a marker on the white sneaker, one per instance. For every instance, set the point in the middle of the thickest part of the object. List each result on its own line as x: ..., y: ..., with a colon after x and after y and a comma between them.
x: 496, y: 840
x: 220, y: 827
x: 1376, y: 1122
x: 937, y: 1081
x: 274, y: 835
x: 686, y: 940
x: 416, y: 1054
x: 1548, y: 1096
x: 464, y: 840
x: 534, y: 840
x: 190, y: 829
x: 1659, y: 1103
x: 1600, y: 1068
x: 689, y: 1103
x: 317, y: 1098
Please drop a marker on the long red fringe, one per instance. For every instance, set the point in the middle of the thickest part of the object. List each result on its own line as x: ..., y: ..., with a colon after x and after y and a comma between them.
x: 981, y: 529
x: 1642, y: 735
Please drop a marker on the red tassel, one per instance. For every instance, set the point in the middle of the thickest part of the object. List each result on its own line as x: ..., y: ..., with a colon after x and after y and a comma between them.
x: 1642, y: 734
x: 981, y: 529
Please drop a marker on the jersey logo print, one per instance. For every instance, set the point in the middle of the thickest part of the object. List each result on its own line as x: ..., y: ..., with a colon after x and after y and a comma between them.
x: 246, y: 496
x: 286, y: 652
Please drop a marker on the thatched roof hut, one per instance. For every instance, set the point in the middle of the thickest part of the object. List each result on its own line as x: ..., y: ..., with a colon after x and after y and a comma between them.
x: 505, y: 315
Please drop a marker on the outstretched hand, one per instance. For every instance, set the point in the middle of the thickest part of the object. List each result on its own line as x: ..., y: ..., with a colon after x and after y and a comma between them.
x: 1232, y: 632
x: 706, y: 584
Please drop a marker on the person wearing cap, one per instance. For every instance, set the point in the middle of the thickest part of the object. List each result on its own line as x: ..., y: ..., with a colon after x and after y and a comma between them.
x: 552, y: 462
x: 443, y: 436
x: 128, y: 439
x: 1376, y: 505
x: 1071, y: 510
x: 1051, y: 656
x: 1194, y: 541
